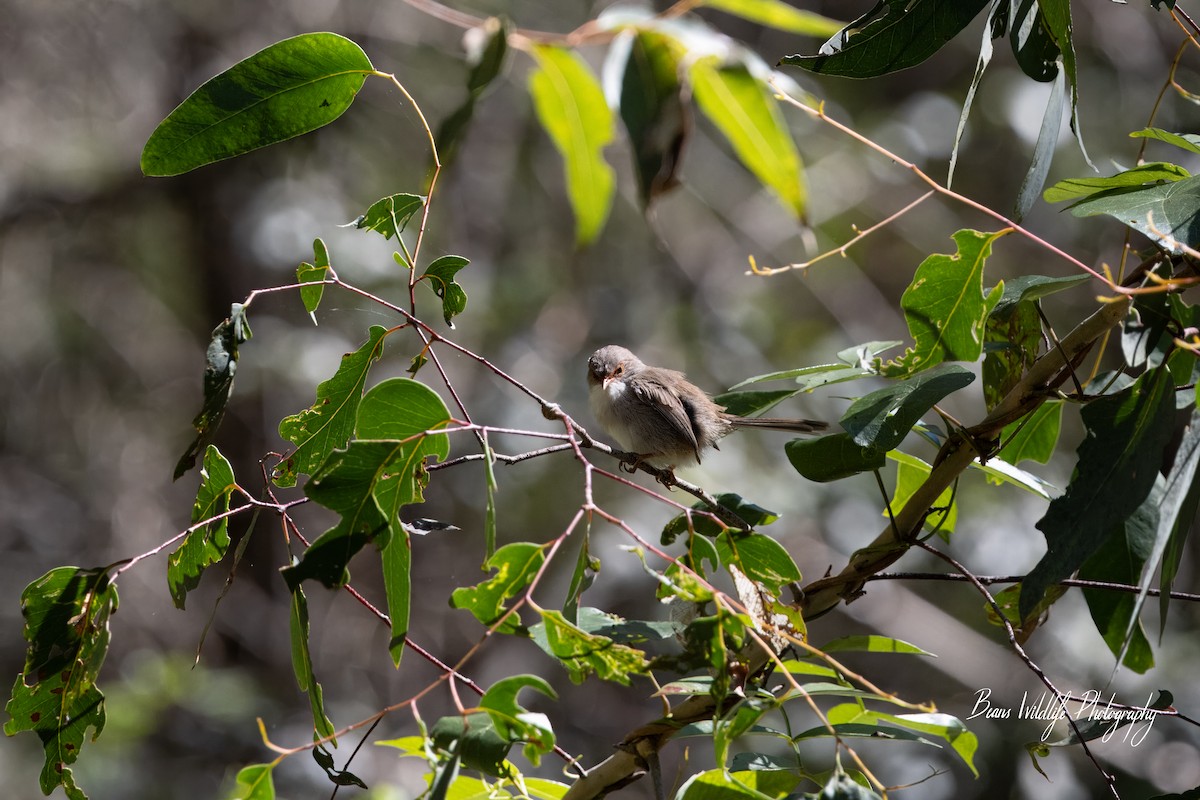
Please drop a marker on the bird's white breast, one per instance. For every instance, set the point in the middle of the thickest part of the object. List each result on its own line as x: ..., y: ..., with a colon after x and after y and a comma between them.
x: 603, y: 400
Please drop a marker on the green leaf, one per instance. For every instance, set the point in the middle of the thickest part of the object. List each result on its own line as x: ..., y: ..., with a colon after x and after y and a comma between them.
x: 372, y: 479
x: 944, y: 726
x: 1033, y: 44
x: 1120, y: 559
x: 882, y: 419
x: 204, y: 545
x: 1057, y: 17
x: 1118, y: 460
x: 254, y: 782
x: 485, y: 55
x: 397, y: 583
x: 474, y: 739
x: 1034, y: 437
x: 66, y: 615
x: 303, y: 669
x: 516, y: 723
x: 872, y: 643
x: 749, y: 403
x: 1043, y: 151
x: 1168, y: 214
x: 1154, y: 173
x: 945, y: 306
x: 653, y: 109
x: 832, y: 457
x: 911, y: 473
x: 1029, y: 288
x: 721, y: 784
x: 704, y: 524
x: 440, y: 275
x: 1181, y: 502
x: 760, y: 557
x: 388, y: 216
x: 1185, y: 141
x: 894, y: 35
x: 292, y: 87
x: 779, y: 15
x: 516, y: 565
x: 745, y: 111
x: 583, y: 653
x: 571, y: 107
x: 313, y: 273
x: 329, y: 423
x: 219, y: 369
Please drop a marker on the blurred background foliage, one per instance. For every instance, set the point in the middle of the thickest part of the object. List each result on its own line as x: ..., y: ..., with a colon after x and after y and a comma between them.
x: 110, y: 284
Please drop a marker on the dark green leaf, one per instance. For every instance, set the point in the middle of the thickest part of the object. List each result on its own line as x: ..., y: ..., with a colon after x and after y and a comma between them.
x: 704, y: 524
x: 1012, y: 342
x: 474, y: 739
x: 66, y: 615
x: 1033, y: 44
x: 654, y: 112
x: 882, y: 419
x: 583, y: 653
x: 1184, y: 499
x: 204, y: 545
x: 721, y: 784
x: 894, y: 35
x: 1027, y: 288
x: 1120, y: 456
x: 760, y: 557
x: 1148, y: 334
x: 313, y: 273
x: 744, y: 109
x: 254, y: 782
x: 303, y: 669
x: 1043, y: 151
x: 623, y: 631
x: 945, y: 306
x: 1168, y: 214
x: 747, y: 404
x: 1144, y: 174
x: 292, y: 87
x: 329, y: 423
x: 389, y: 215
x: 486, y: 57
x: 833, y: 457
x: 1120, y: 559
x: 515, y: 565
x: 440, y: 275
x: 571, y: 107
x: 219, y: 369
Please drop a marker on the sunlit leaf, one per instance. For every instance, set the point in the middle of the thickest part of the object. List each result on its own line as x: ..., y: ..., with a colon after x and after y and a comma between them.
x: 66, y: 615
x: 516, y: 723
x: 744, y: 109
x: 515, y: 565
x: 207, y: 544
x: 1140, y: 176
x: 292, y: 87
x: 313, y: 274
x: 945, y: 306
x: 328, y: 424
x: 583, y: 653
x: 389, y: 215
x: 572, y: 109
x: 254, y: 782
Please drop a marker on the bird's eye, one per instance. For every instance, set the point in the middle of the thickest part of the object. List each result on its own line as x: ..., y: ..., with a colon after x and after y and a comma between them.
x: 620, y: 370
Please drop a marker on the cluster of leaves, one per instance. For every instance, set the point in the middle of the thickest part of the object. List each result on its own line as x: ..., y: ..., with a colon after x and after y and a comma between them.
x: 365, y: 451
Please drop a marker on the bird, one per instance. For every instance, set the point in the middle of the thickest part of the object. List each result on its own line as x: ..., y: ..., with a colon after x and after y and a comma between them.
x: 659, y: 415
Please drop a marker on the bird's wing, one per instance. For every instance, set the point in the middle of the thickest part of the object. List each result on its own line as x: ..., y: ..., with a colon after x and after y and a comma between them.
x: 675, y: 410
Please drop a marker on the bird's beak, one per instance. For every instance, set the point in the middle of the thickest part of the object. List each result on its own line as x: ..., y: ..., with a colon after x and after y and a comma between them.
x: 607, y: 380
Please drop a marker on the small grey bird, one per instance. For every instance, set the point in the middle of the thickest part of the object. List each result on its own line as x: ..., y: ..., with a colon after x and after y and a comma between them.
x: 659, y: 414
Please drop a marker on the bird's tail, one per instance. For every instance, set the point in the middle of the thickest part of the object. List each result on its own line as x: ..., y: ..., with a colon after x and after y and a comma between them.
x: 775, y: 423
